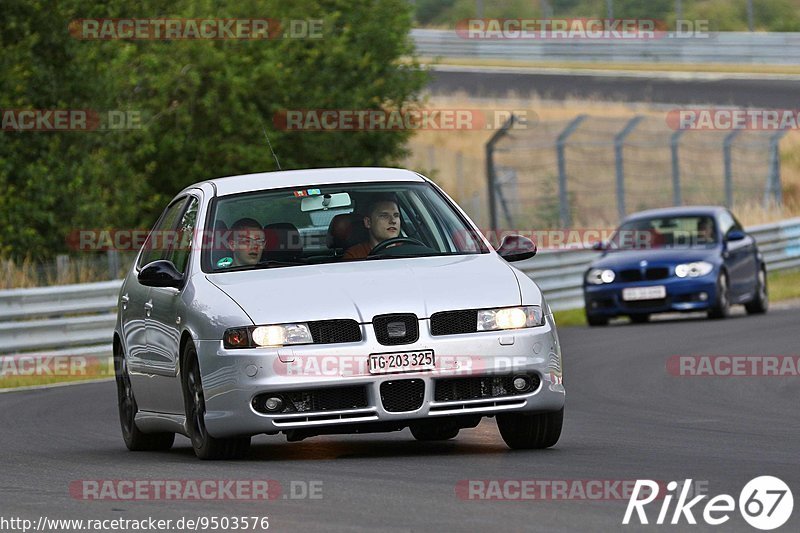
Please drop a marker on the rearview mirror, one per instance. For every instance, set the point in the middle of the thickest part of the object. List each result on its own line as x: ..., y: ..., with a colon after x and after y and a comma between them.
x: 735, y: 235
x: 599, y: 246
x: 516, y: 248
x: 325, y: 201
x: 161, y: 273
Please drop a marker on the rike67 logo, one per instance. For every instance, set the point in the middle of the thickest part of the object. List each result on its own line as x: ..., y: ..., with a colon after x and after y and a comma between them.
x: 765, y: 503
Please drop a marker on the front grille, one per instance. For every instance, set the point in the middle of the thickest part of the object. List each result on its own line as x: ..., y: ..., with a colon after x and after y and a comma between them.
x: 327, y: 399
x: 476, y: 388
x: 454, y: 322
x: 402, y: 395
x: 392, y: 330
x: 335, y: 331
x: 649, y: 274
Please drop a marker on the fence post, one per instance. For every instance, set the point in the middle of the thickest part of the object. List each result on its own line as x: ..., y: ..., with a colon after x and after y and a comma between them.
x: 113, y: 264
x: 674, y: 143
x: 491, y: 177
x: 726, y: 151
x: 563, y: 201
x: 774, y: 180
x: 619, y: 139
x: 62, y: 268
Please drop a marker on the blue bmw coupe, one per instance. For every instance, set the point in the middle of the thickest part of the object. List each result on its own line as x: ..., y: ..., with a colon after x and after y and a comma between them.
x: 679, y: 259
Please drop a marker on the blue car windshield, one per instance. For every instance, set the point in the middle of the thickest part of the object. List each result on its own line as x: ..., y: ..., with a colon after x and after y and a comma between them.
x: 665, y: 232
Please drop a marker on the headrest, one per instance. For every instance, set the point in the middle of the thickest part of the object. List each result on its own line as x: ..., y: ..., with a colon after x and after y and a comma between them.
x: 346, y: 230
x: 282, y: 242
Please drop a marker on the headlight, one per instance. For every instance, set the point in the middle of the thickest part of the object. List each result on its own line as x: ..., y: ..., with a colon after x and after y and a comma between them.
x: 510, y: 318
x: 693, y: 270
x: 598, y: 276
x: 272, y: 335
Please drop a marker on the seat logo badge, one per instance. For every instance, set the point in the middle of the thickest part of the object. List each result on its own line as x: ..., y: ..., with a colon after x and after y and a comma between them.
x: 396, y: 329
x: 642, y: 264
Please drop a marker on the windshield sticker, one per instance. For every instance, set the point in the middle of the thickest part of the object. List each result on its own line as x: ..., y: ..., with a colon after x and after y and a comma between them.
x: 225, y: 262
x: 306, y: 192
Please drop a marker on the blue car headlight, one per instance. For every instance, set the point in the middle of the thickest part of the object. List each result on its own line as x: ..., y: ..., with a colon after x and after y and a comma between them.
x: 599, y: 276
x: 693, y: 270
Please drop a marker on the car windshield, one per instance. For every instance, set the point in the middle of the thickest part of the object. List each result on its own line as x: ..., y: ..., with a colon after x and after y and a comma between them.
x: 335, y: 223
x: 665, y: 232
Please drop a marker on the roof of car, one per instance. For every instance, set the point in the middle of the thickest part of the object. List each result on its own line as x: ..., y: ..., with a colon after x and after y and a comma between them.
x: 678, y: 211
x: 308, y: 177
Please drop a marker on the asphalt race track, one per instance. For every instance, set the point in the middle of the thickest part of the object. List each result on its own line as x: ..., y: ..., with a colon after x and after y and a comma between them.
x: 736, y: 91
x: 626, y: 418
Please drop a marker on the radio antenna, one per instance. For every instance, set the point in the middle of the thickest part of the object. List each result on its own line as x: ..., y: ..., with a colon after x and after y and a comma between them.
x: 270, y: 145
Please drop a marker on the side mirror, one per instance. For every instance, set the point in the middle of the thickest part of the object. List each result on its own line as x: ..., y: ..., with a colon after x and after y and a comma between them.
x: 516, y: 248
x: 735, y: 235
x: 599, y: 246
x: 161, y: 273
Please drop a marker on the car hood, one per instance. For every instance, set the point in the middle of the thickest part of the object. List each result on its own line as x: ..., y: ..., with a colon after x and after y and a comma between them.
x: 361, y: 290
x: 624, y: 259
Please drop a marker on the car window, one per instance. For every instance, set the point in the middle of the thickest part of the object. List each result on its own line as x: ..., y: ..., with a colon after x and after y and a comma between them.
x: 666, y: 232
x: 184, y: 236
x: 292, y: 227
x: 157, y: 245
x: 726, y: 222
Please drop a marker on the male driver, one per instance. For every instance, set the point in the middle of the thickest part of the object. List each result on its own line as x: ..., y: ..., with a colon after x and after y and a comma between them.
x: 246, y: 241
x: 382, y: 222
x: 705, y: 231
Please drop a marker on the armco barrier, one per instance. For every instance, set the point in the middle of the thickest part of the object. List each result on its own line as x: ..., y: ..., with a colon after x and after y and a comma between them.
x: 79, y: 319
x: 756, y: 48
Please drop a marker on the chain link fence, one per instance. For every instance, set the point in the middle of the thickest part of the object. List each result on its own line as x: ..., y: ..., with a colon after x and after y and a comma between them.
x: 589, y: 171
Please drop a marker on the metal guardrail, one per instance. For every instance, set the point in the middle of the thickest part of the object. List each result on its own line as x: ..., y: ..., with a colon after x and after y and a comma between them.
x: 722, y: 47
x: 79, y: 319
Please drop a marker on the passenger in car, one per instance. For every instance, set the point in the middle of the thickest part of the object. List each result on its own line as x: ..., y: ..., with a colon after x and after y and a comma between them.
x: 382, y: 222
x: 246, y: 242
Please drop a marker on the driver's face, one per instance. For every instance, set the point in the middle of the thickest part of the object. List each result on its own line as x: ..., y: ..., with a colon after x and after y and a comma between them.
x: 384, y: 222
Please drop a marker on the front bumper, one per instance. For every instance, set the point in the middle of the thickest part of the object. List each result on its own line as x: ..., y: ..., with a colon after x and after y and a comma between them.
x: 233, y: 378
x: 682, y: 295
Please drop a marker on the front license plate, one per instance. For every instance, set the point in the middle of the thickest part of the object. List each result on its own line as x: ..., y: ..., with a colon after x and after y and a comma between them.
x: 644, y: 293
x: 386, y: 363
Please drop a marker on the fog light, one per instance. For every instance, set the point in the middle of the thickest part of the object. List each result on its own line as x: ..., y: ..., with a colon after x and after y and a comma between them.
x: 521, y: 383
x: 703, y: 296
x: 273, y: 404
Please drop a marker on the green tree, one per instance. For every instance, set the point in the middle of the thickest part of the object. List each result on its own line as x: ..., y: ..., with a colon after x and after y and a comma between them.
x: 203, y: 104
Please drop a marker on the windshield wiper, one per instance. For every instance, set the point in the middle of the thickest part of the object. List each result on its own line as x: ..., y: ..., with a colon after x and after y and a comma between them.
x: 261, y: 264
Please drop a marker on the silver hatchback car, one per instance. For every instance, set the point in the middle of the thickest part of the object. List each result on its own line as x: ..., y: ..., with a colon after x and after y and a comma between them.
x: 328, y: 301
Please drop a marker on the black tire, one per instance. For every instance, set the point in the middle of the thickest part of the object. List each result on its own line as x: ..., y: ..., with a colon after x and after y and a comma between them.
x: 594, y: 320
x: 760, y: 302
x: 640, y: 318
x: 205, y: 446
x: 134, y: 438
x: 722, y: 303
x: 529, y: 432
x: 430, y: 432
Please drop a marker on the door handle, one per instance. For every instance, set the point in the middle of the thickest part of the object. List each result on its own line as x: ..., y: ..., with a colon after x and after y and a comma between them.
x: 148, y: 306
x: 125, y: 299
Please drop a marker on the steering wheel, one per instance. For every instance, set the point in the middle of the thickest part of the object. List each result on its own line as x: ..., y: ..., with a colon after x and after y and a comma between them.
x: 395, y: 240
